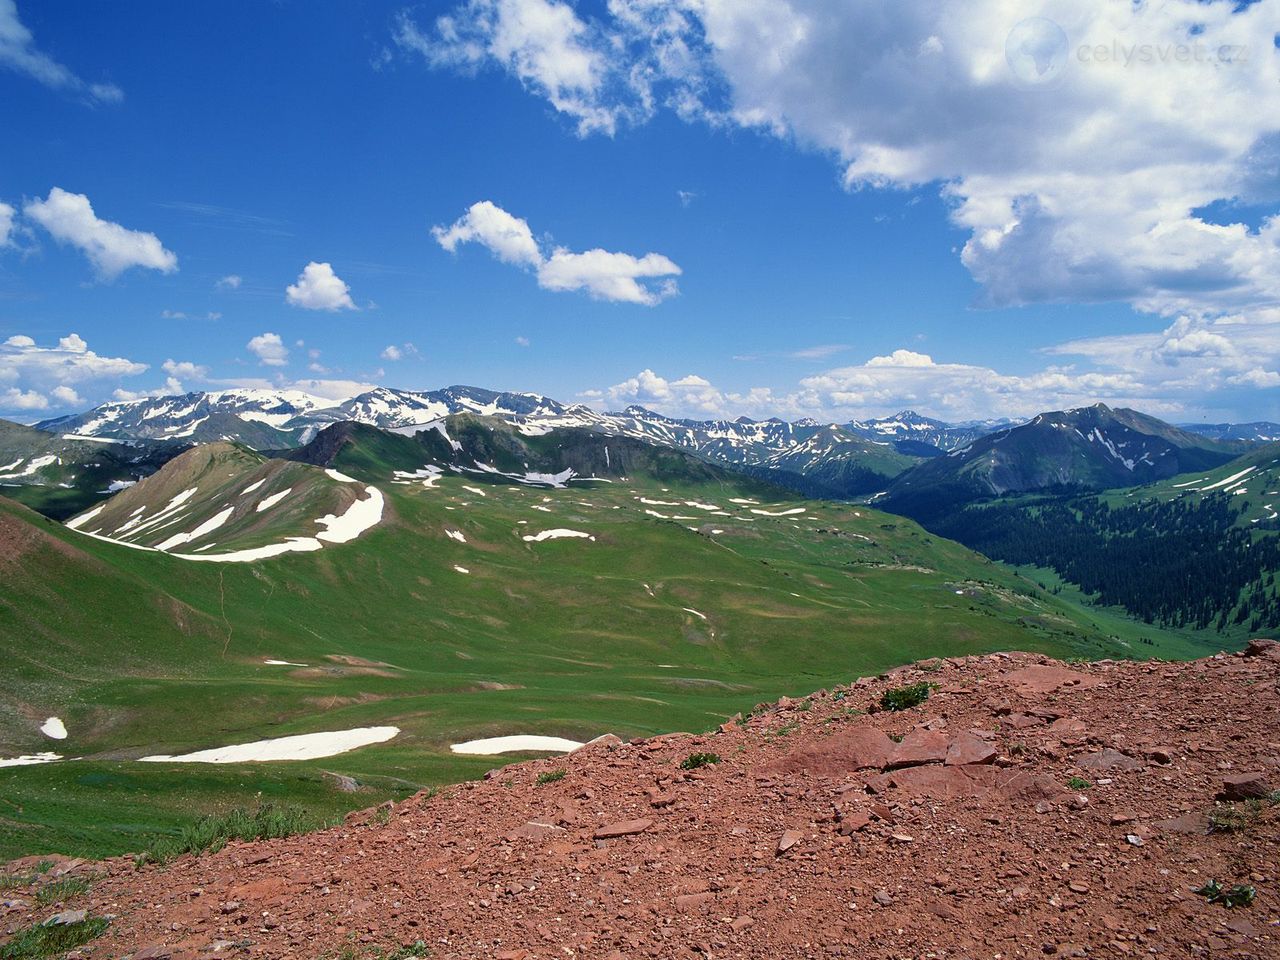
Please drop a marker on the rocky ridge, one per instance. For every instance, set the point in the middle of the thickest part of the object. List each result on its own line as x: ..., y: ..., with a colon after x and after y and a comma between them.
x: 1026, y: 808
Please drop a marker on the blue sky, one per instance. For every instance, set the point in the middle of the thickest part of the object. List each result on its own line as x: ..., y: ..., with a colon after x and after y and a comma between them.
x: 890, y: 210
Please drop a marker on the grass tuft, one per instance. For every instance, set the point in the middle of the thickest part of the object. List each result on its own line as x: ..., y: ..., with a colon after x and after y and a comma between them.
x: 903, y: 698
x: 40, y: 941
x: 695, y: 760
x: 551, y: 776
x: 210, y: 834
x: 61, y: 890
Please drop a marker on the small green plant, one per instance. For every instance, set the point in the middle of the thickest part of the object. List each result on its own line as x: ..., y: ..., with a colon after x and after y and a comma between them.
x: 52, y: 940
x: 210, y: 834
x: 1079, y: 783
x: 61, y: 890
x: 12, y: 881
x: 904, y: 698
x: 416, y: 949
x: 1238, y: 896
x: 1227, y: 820
x: 897, y: 737
x: 695, y: 760
x: 551, y: 776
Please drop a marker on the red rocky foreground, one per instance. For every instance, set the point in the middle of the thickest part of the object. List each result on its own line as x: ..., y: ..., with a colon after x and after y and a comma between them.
x: 1026, y: 809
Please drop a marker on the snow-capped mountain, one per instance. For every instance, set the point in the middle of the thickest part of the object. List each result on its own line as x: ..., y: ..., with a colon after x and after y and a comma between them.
x: 1088, y: 448
x: 838, y: 461
x: 256, y: 418
x: 921, y: 436
x: 1261, y: 431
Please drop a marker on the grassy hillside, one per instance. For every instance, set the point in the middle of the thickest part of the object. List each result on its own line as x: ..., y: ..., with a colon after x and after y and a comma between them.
x: 685, y: 607
x: 1199, y: 551
x: 61, y: 477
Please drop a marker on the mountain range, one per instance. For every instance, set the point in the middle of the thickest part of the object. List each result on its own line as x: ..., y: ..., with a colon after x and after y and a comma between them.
x: 1087, y: 448
x: 918, y: 463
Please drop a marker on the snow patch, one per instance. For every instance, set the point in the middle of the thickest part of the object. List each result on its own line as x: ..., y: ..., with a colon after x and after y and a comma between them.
x: 557, y: 534
x: 54, y: 728
x: 268, y: 502
x: 29, y: 759
x: 306, y: 746
x: 360, y: 516
x: 517, y: 743
x: 76, y: 522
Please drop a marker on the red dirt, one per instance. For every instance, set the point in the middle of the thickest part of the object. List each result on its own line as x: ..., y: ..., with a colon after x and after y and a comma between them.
x: 799, y: 843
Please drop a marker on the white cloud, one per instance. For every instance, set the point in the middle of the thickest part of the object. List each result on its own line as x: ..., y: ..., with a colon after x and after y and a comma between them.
x: 690, y: 395
x: 616, y: 277
x: 337, y: 390
x: 542, y: 43
x: 37, y: 377
x: 392, y: 352
x: 1193, y: 367
x: 231, y: 281
x: 1084, y: 181
x: 522, y: 341
x: 7, y: 214
x: 15, y: 399
x: 111, y: 248
x: 19, y: 52
x: 507, y: 237
x: 319, y: 288
x: 185, y: 369
x: 610, y: 276
x: 71, y: 361
x: 902, y: 358
x: 269, y: 349
x: 820, y: 352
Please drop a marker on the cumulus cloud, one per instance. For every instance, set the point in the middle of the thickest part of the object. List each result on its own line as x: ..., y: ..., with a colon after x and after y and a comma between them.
x: 1191, y: 367
x: 111, y: 248
x: 18, y: 52
x: 319, y: 288
x: 395, y: 352
x: 231, y: 281
x: 181, y: 371
x: 603, y: 275
x: 522, y: 341
x: 1084, y: 177
x: 70, y: 361
x: 507, y: 237
x: 23, y: 400
x: 269, y: 349
x: 542, y: 43
x: 690, y: 395
x: 34, y: 375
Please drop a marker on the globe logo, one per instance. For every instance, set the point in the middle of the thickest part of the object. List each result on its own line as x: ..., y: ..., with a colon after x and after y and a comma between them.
x: 1036, y: 50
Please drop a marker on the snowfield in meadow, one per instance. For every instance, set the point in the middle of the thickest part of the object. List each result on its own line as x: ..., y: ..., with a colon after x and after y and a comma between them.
x: 306, y: 746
